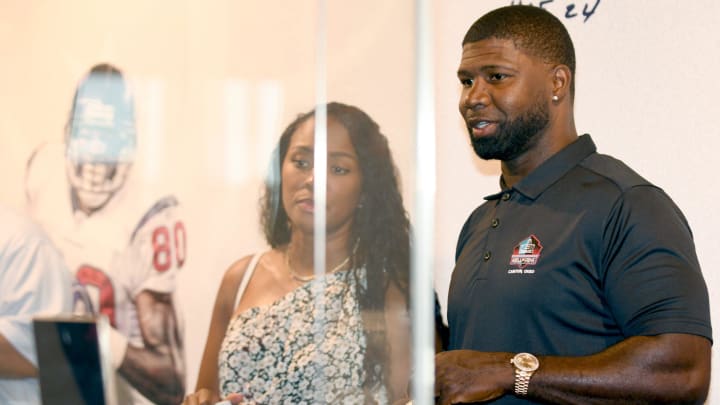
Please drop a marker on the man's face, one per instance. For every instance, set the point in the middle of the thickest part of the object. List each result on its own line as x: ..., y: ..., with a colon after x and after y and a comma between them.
x: 504, y: 99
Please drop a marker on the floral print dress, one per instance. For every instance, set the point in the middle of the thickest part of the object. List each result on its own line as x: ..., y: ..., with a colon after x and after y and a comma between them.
x: 305, y: 348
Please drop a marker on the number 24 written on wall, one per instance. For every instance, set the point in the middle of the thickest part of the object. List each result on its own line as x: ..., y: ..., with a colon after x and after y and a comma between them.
x: 571, y: 10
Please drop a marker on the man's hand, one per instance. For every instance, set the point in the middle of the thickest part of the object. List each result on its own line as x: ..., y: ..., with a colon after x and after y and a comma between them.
x: 463, y: 376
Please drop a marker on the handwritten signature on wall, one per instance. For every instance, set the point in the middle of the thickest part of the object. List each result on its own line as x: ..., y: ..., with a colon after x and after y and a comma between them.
x: 571, y: 8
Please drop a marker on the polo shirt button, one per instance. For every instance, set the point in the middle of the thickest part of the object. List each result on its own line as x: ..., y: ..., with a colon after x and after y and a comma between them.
x: 495, y: 223
x: 486, y: 256
x: 506, y: 196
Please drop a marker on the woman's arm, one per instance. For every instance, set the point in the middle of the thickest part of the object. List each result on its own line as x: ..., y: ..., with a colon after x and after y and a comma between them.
x: 207, y: 383
x: 397, y: 321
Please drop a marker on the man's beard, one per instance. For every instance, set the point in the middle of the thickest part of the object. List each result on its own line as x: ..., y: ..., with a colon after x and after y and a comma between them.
x: 514, y: 137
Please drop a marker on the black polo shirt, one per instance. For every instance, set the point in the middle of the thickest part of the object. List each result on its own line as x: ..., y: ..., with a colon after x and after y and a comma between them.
x: 580, y: 254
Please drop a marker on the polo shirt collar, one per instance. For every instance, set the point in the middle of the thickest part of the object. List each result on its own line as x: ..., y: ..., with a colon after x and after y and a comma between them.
x: 551, y: 170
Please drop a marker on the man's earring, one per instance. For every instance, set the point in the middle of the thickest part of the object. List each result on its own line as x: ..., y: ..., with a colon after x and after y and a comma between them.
x: 555, y: 98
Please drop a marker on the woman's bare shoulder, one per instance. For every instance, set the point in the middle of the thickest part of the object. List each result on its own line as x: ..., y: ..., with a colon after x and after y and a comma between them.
x: 231, y: 281
x: 237, y: 269
x: 236, y: 272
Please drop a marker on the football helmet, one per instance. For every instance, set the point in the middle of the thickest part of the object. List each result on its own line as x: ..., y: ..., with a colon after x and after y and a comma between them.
x: 100, y: 138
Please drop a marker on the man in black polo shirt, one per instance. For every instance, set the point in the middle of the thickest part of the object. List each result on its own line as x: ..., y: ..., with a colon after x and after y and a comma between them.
x: 578, y: 282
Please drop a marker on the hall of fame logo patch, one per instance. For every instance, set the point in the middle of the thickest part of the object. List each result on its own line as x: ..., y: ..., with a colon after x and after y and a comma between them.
x: 526, y: 253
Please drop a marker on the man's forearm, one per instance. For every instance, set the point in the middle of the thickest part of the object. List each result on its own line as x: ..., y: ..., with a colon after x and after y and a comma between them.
x: 13, y: 364
x: 155, y: 373
x: 640, y: 370
x: 157, y: 369
x: 670, y: 368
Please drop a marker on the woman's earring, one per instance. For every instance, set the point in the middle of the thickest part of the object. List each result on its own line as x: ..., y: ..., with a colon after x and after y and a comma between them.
x: 555, y: 98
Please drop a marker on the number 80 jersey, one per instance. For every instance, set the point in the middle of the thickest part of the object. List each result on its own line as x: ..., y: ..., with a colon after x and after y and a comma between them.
x: 130, y: 245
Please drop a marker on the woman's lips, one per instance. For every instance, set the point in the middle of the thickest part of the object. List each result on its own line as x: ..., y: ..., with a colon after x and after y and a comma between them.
x: 307, y: 205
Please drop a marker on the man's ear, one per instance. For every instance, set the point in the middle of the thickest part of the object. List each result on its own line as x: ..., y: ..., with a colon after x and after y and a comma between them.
x: 561, y: 81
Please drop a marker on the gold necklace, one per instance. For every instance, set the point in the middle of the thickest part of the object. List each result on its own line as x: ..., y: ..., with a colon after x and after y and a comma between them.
x: 305, y: 279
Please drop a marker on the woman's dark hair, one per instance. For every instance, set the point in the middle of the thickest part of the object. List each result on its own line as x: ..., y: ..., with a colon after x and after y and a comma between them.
x: 380, y: 226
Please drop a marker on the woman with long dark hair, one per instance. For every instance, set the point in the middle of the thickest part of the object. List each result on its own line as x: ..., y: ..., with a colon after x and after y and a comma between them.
x: 279, y: 334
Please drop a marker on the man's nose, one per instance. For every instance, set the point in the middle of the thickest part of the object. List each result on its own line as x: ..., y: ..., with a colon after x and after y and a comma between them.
x: 476, y: 96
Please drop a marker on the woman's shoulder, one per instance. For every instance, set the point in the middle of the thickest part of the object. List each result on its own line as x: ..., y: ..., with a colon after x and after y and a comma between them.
x: 233, y: 278
x: 237, y: 268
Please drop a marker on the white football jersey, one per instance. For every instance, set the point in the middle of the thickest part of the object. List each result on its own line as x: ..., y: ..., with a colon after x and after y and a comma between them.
x: 130, y: 245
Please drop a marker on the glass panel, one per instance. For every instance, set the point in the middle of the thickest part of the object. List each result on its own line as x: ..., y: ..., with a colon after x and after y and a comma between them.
x: 140, y: 136
x: 370, y: 65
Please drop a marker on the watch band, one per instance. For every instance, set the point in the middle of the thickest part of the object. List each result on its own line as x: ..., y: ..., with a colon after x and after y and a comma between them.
x: 522, y: 381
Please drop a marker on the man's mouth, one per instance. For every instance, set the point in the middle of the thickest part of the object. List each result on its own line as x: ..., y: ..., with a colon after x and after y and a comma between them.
x: 482, y: 128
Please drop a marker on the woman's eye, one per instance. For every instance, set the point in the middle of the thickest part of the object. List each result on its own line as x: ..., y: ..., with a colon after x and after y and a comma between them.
x: 339, y: 170
x: 301, y: 163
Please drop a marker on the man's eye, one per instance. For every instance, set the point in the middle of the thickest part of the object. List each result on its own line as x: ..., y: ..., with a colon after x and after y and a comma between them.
x: 466, y: 82
x: 339, y: 170
x: 496, y: 77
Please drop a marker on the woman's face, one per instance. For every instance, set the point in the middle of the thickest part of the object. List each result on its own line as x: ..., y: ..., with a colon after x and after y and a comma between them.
x: 344, y: 178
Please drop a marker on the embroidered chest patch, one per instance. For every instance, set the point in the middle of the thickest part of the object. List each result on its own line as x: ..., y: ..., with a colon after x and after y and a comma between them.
x: 526, y: 252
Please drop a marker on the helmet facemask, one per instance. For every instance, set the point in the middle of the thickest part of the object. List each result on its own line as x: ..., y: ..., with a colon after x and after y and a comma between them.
x: 100, y: 140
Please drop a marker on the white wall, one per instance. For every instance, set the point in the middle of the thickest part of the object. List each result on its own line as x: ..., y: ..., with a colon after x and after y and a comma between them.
x: 647, y: 87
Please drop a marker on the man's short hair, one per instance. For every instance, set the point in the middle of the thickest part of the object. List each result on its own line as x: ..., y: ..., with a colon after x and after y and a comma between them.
x: 533, y: 30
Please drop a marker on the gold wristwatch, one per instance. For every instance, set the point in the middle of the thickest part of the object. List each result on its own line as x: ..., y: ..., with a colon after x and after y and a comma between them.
x: 525, y: 365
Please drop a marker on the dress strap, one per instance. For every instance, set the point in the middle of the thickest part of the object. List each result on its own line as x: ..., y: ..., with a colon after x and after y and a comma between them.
x: 246, y: 277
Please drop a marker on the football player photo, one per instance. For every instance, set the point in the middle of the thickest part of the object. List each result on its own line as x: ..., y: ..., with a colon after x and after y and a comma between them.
x: 124, y: 245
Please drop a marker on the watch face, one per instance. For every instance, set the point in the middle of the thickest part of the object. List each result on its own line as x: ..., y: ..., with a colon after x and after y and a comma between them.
x: 526, y: 362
